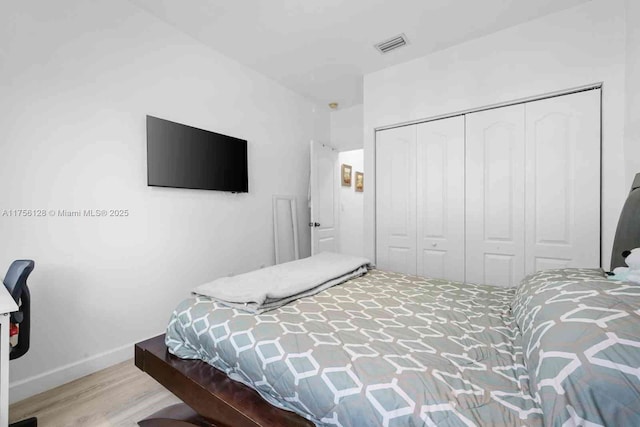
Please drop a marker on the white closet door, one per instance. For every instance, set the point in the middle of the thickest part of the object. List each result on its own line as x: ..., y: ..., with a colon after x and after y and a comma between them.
x: 563, y: 182
x: 396, y: 199
x: 440, y: 199
x: 495, y: 184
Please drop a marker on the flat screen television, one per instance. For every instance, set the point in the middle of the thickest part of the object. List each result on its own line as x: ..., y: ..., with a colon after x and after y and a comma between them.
x: 182, y: 156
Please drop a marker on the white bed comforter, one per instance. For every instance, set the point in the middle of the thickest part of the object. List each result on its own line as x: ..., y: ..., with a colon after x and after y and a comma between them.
x: 272, y: 287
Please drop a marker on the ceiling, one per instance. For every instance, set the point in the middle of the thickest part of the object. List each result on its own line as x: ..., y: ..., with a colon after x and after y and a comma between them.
x: 322, y: 48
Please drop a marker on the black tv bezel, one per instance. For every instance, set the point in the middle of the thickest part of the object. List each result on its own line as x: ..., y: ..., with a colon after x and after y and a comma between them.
x: 239, y: 140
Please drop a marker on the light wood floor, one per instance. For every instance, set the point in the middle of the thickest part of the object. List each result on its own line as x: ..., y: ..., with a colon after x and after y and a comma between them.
x: 117, y: 396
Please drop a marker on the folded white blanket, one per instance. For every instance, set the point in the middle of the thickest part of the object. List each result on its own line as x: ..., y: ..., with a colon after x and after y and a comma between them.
x: 272, y: 287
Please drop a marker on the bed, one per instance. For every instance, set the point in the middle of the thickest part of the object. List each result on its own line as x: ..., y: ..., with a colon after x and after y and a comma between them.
x: 386, y: 349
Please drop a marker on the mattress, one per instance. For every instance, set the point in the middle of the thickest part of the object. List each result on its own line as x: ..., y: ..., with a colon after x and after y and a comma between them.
x: 384, y: 349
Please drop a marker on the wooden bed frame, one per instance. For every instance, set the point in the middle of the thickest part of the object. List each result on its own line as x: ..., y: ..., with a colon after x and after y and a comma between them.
x: 213, y: 399
x: 210, y: 398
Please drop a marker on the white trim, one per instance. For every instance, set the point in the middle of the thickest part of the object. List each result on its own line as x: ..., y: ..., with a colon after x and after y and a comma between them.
x: 31, y: 386
x: 592, y: 86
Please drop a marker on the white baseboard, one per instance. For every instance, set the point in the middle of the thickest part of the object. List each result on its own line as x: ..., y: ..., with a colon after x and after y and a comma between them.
x: 28, y: 387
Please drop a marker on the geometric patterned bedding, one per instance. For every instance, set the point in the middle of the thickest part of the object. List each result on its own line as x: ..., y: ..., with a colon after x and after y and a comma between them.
x: 581, y: 336
x: 387, y: 349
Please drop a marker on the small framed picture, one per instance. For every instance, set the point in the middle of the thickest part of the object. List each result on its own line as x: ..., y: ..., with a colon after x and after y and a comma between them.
x: 345, y: 172
x: 359, y: 182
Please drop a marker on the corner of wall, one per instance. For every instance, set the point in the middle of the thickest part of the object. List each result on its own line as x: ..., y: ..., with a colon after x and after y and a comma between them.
x: 346, y: 128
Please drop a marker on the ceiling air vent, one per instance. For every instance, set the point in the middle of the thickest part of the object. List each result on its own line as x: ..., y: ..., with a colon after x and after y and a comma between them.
x: 392, y: 44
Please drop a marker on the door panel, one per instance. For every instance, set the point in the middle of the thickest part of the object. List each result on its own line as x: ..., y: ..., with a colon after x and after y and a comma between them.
x: 395, y: 200
x: 495, y: 236
x: 440, y: 198
x: 498, y: 268
x: 541, y: 263
x: 433, y: 263
x: 324, y: 206
x: 563, y: 182
x: 499, y: 147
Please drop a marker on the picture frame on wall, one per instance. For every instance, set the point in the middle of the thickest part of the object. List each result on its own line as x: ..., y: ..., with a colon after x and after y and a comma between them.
x: 359, y: 186
x: 345, y: 173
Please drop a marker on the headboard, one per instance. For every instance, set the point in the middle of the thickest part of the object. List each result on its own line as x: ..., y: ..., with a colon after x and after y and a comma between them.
x: 628, y: 231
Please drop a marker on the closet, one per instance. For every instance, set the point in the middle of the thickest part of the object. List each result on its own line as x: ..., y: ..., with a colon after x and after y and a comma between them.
x: 491, y: 196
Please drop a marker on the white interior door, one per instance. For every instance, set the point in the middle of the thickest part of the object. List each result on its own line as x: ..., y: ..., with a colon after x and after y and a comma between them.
x: 440, y: 199
x: 323, y: 199
x: 495, y: 187
x: 563, y: 182
x: 396, y: 199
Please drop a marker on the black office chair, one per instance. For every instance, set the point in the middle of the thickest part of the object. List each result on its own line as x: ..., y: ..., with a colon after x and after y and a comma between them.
x: 16, y: 283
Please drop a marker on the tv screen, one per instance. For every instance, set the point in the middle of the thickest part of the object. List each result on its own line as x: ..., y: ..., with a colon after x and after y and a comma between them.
x: 186, y: 157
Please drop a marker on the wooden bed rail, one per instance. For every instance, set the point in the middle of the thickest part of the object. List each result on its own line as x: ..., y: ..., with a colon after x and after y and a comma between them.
x: 211, y: 398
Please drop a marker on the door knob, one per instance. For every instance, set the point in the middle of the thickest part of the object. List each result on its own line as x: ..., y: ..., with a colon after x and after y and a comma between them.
x: 314, y: 224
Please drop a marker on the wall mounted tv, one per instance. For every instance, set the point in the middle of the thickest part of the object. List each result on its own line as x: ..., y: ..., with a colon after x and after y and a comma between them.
x: 182, y: 156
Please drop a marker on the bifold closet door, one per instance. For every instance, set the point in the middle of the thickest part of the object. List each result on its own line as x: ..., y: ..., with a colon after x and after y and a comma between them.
x: 563, y: 182
x: 396, y: 199
x: 533, y: 188
x: 495, y: 196
x: 440, y: 198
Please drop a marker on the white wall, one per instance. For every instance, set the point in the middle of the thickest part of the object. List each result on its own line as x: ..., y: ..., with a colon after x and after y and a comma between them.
x: 632, y: 123
x: 575, y: 47
x: 346, y: 128
x: 351, y: 206
x: 76, y: 81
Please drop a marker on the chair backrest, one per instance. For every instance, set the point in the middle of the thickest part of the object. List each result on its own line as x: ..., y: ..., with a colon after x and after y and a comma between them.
x: 16, y: 283
x: 16, y: 279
